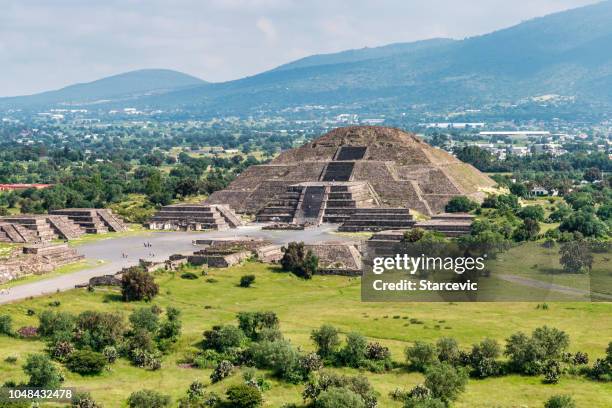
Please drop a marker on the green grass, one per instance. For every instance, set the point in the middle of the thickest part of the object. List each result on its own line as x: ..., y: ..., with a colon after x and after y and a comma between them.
x: 305, y: 305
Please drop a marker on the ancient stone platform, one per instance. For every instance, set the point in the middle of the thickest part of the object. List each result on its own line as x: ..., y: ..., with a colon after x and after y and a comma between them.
x: 46, y: 227
x: 449, y: 224
x: 16, y: 233
x: 337, y: 258
x: 37, y: 259
x: 194, y: 217
x: 398, y: 170
x: 93, y: 220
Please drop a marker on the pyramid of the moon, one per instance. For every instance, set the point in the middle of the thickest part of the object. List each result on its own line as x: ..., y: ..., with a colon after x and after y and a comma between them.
x: 384, y: 167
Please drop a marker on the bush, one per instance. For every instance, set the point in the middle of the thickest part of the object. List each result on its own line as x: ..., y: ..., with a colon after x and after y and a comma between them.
x: 148, y: 399
x: 54, y: 323
x: 421, y: 355
x: 534, y: 212
x: 246, y: 281
x: 27, y: 332
x: 42, y: 372
x: 170, y: 329
x: 145, y: 318
x: 552, y: 372
x: 98, y: 330
x: 222, y: 338
x: 335, y: 397
x: 414, y: 234
x: 138, y: 284
x: 280, y: 357
x: 83, y: 400
x: 448, y: 350
x: 482, y: 358
x: 445, y: 381
x: 327, y: 340
x: 353, y: 353
x: 110, y: 353
x: 6, y: 325
x: 295, y: 259
x: 325, y: 380
x: 222, y: 370
x: 253, y: 323
x: 243, y: 396
x: 560, y: 401
x: 189, y: 276
x: 86, y: 362
x: 460, y: 204
x: 61, y: 349
x: 527, y: 355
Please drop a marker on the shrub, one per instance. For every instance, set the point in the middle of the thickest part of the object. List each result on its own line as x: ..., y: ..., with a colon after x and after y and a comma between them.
x: 222, y: 338
x: 528, y: 355
x: 27, y: 332
x: 145, y: 318
x: 460, y: 204
x: 42, y: 372
x: 98, y: 330
x: 421, y: 355
x: 61, y: 349
x: 296, y: 259
x: 414, y: 234
x: 535, y: 212
x: 170, y: 329
x: 552, y: 372
x: 580, y: 358
x: 482, y: 358
x: 52, y: 323
x: 138, y: 284
x: 327, y: 340
x: 560, y: 401
x: 354, y: 352
x: 310, y: 362
x: 280, y: 357
x: 10, y: 360
x: 243, y: 396
x: 335, y: 397
x: 445, y: 381
x: 148, y: 399
x: 252, y: 323
x: 222, y: 370
x: 325, y: 380
x: 83, y: 400
x: 6, y: 325
x: 448, y: 350
x: 246, y: 281
x: 110, y: 353
x: 86, y: 362
x: 189, y: 276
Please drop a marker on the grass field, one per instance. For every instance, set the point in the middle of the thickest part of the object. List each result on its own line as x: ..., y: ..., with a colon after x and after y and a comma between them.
x: 62, y: 270
x: 305, y: 305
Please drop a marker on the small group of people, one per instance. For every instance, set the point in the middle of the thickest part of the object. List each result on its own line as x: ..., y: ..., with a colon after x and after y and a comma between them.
x: 124, y: 255
x: 147, y: 244
x: 4, y: 291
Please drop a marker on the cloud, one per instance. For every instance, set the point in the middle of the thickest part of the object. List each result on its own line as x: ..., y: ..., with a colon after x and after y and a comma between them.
x: 267, y: 28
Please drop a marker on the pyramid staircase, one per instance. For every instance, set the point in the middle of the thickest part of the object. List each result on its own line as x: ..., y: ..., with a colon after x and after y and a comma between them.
x: 113, y: 223
x: 16, y: 233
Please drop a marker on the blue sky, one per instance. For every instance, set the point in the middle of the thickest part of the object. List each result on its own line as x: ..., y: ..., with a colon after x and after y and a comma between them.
x: 49, y: 44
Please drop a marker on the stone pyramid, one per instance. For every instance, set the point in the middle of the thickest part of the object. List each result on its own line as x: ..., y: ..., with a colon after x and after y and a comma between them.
x: 400, y: 169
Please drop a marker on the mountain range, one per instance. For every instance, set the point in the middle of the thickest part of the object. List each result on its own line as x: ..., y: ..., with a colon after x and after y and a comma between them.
x: 566, y: 53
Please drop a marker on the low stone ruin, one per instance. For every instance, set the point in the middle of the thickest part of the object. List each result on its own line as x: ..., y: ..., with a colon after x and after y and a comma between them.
x: 37, y: 259
x: 93, y: 220
x: 194, y: 217
x: 377, y: 219
x: 46, y: 227
x: 225, y: 252
x: 337, y: 257
x: 449, y: 224
x: 16, y: 233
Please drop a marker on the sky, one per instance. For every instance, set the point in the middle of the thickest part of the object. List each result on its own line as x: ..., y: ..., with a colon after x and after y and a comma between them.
x: 46, y: 45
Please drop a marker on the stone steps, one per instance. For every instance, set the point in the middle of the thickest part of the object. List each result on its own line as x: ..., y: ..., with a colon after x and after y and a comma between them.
x: 194, y: 217
x: 111, y: 220
x: 377, y: 219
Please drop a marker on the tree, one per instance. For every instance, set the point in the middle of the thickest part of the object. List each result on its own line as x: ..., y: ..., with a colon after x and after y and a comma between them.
x: 279, y: 356
x: 528, y: 230
x: 97, y: 330
x: 445, y: 381
x: 148, y: 399
x: 296, y: 259
x: 252, y: 323
x: 86, y: 362
x: 576, y: 257
x: 535, y: 212
x: 519, y: 190
x: 246, y: 281
x: 222, y: 370
x: 448, y: 350
x: 244, y: 396
x: 460, y: 204
x: 83, y: 400
x: 52, y: 323
x: 327, y: 340
x: 170, y: 329
x: 477, y: 157
x: 560, y: 401
x: 482, y: 358
x: 421, y: 355
x: 138, y: 284
x: 42, y: 372
x: 584, y: 222
x: 592, y: 174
